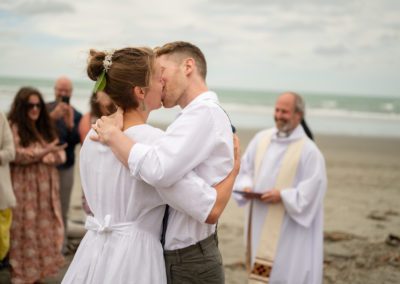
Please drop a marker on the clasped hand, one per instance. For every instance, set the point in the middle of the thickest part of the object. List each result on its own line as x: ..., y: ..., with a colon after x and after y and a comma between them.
x: 51, y: 153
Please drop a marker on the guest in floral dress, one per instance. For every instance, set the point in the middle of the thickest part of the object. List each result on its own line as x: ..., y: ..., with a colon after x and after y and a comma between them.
x: 37, y: 228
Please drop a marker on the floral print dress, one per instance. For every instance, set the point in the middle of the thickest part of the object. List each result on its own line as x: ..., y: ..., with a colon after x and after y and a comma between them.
x: 37, y: 230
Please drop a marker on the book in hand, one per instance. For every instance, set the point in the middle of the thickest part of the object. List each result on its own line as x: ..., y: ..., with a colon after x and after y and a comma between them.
x: 248, y: 194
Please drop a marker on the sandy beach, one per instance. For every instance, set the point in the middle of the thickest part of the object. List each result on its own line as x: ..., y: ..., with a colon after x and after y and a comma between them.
x: 361, y: 211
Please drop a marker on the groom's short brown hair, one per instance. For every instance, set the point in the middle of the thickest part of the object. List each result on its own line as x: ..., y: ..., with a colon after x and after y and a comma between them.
x: 187, y: 49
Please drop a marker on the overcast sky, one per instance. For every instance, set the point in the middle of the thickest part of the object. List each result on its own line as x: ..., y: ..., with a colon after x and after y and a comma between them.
x: 339, y: 46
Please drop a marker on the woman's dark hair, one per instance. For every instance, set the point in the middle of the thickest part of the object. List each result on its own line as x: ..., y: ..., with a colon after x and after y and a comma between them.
x: 95, y: 106
x: 42, y: 128
x: 131, y: 67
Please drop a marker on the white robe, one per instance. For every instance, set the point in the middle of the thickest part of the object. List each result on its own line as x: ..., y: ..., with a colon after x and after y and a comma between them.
x: 299, y: 258
x: 122, y: 244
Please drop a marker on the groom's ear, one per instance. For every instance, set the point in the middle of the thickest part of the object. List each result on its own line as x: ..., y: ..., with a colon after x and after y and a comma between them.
x: 188, y: 65
x: 138, y: 92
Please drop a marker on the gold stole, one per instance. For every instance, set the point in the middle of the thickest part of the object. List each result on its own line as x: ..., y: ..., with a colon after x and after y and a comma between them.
x: 261, y: 270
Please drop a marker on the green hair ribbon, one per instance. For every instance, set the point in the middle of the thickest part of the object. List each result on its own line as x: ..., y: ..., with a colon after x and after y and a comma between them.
x: 100, y: 83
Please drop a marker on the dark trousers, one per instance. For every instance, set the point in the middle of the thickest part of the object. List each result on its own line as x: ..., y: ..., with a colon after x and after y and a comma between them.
x: 195, y: 264
x: 66, y: 185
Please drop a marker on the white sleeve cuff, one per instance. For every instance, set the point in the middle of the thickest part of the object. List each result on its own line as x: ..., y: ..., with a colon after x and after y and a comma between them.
x: 209, y: 204
x: 136, y: 157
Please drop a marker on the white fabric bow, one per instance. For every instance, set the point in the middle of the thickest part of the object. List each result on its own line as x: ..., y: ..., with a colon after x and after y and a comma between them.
x: 94, y: 225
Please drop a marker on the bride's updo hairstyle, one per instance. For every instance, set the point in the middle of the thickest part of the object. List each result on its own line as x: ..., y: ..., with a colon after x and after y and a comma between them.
x: 119, y: 71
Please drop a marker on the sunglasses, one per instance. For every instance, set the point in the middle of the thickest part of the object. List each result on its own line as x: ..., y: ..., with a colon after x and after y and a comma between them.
x: 32, y: 106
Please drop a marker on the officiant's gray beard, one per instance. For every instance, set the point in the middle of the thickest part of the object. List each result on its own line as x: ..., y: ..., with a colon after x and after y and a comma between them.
x: 284, y: 130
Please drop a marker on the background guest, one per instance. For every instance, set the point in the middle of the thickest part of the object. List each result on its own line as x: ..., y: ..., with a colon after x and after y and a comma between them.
x: 7, y: 198
x: 37, y: 228
x: 67, y: 120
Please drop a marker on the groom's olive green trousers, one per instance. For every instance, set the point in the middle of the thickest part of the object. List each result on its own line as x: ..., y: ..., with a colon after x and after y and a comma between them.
x: 195, y: 264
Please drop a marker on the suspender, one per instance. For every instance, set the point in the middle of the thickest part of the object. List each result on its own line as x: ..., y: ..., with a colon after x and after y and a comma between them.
x: 164, y: 225
x: 232, y: 126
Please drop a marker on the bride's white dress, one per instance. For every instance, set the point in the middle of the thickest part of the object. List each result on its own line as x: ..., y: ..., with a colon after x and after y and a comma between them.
x: 122, y: 244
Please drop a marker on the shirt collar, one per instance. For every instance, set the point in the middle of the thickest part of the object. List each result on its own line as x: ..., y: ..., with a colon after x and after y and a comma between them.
x: 297, y: 133
x: 208, y: 95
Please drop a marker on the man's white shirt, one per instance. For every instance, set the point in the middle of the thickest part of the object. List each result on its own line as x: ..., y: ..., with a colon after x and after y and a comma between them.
x: 200, y: 139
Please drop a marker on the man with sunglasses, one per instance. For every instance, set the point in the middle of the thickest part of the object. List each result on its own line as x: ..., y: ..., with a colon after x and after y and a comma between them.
x: 66, y: 118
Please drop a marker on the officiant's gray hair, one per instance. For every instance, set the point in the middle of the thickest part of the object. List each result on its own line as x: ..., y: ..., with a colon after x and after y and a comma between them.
x: 299, y: 105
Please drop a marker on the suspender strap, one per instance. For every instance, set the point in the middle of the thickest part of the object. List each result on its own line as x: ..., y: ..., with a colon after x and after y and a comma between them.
x: 233, y: 131
x: 164, y: 225
x: 232, y: 126
x: 216, y: 233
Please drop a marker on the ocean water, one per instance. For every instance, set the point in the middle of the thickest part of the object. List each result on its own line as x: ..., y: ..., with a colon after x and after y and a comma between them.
x: 326, y: 113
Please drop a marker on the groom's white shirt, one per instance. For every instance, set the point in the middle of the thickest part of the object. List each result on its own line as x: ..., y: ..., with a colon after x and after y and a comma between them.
x: 200, y: 139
